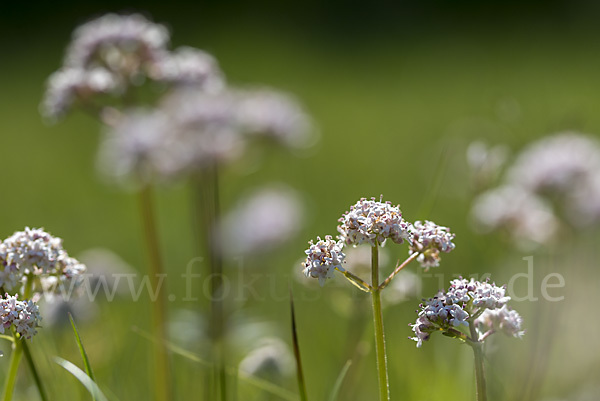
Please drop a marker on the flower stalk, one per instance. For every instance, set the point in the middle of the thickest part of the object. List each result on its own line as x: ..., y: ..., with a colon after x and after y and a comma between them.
x: 384, y: 390
x: 162, y: 379
x: 479, y: 368
x: 15, y: 359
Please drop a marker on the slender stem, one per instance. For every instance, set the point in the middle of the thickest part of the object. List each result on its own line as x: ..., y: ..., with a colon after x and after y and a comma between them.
x: 356, y: 281
x: 479, y: 369
x: 299, y: 371
x: 162, y: 372
x: 15, y: 358
x: 397, y: 270
x: 384, y: 390
x: 211, y: 208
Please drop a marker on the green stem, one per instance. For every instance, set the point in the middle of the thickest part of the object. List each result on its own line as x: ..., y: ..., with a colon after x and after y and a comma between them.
x: 479, y: 369
x: 15, y: 358
x: 162, y: 372
x: 384, y: 390
x: 210, y: 204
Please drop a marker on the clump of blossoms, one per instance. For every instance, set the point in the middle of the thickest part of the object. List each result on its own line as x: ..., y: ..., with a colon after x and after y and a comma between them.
x: 470, y: 304
x: 23, y: 316
x: 35, y: 261
x: 373, y: 223
x: 428, y: 240
x: 469, y: 311
x: 323, y: 258
x: 553, y: 181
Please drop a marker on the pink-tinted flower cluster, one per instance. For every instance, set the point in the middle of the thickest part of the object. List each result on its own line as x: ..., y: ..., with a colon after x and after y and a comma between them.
x: 467, y: 302
x: 22, y: 315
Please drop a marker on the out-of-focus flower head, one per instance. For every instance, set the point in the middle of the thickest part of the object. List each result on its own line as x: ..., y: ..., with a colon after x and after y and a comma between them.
x: 262, y: 221
x: 124, y: 44
x: 429, y: 240
x: 463, y: 303
x: 556, y: 163
x: 485, y: 162
x: 322, y: 258
x: 373, y: 222
x: 189, y: 66
x: 22, y: 315
x: 526, y: 216
x: 35, y: 253
x: 271, y: 358
x: 503, y: 320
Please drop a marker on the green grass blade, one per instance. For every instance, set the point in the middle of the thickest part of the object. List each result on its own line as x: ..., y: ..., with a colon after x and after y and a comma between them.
x: 34, y: 372
x: 86, y: 361
x: 299, y: 371
x: 338, y: 382
x: 262, y: 384
x: 80, y: 375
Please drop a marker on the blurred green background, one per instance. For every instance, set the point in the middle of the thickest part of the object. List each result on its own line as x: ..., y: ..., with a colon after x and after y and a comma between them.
x: 398, y: 90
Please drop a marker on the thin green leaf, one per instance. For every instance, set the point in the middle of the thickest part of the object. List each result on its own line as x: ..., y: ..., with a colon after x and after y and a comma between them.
x: 299, y: 371
x: 338, y: 382
x: 86, y: 361
x: 80, y: 375
x: 34, y: 372
x: 252, y: 380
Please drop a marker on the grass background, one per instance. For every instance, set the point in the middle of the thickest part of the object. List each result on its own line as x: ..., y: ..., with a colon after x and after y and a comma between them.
x: 397, y: 91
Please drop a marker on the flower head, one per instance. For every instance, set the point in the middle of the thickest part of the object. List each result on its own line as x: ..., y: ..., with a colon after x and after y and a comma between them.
x: 429, y: 240
x: 22, y: 315
x: 373, y: 222
x: 34, y: 252
x: 262, y: 221
x: 322, y: 258
x: 466, y: 302
x: 125, y: 44
x: 506, y: 320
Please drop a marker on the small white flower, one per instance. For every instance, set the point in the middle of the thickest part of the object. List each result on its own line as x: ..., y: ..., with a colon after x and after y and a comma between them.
x: 23, y: 315
x: 429, y: 240
x: 373, y: 222
x: 262, y: 221
x: 504, y: 319
x: 322, y: 258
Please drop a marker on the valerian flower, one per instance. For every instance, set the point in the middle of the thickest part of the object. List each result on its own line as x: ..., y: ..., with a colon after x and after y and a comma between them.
x: 22, y: 315
x: 373, y: 222
x: 429, y: 239
x: 466, y: 303
x: 322, y: 258
x: 36, y: 255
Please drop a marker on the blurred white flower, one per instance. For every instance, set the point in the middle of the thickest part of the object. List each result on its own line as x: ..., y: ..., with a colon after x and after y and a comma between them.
x: 125, y: 44
x: 527, y: 217
x: 485, y: 162
x: 373, y: 222
x: 189, y: 66
x: 68, y: 85
x: 503, y: 319
x: 556, y: 163
x: 272, y: 358
x: 262, y: 221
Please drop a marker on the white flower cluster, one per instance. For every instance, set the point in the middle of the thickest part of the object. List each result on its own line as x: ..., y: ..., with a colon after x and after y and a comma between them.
x: 193, y: 129
x: 505, y: 320
x: 373, y: 222
x: 429, y: 240
x: 22, y: 315
x: 322, y: 258
x: 466, y: 302
x: 555, y: 176
x: 34, y: 252
x: 109, y: 55
x: 261, y: 221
